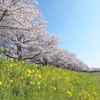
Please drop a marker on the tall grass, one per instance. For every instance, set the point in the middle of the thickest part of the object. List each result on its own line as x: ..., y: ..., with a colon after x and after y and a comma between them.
x: 22, y: 81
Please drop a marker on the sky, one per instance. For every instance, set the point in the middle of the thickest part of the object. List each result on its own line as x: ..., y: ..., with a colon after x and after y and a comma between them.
x: 77, y: 24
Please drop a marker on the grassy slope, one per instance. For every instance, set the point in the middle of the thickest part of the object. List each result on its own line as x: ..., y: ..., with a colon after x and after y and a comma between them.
x: 20, y: 81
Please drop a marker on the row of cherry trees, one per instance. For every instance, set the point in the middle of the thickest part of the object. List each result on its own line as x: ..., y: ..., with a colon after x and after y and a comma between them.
x: 23, y: 36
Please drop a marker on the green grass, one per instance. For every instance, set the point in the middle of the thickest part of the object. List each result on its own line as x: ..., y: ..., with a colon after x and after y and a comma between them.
x: 22, y: 81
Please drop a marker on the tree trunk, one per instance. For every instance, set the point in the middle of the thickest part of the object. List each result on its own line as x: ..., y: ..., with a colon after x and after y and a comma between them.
x: 19, y: 50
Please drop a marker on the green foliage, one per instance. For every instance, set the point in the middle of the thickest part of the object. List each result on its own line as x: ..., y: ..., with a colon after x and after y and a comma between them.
x: 22, y: 81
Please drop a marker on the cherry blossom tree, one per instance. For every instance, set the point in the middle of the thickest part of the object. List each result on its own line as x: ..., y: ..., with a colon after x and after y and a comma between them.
x: 23, y: 36
x: 67, y: 60
x: 21, y: 26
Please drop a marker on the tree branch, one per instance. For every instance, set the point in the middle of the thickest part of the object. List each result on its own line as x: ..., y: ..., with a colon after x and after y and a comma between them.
x: 13, y: 3
x: 33, y: 56
x: 27, y: 41
x: 26, y: 29
x: 7, y: 54
x: 2, y: 10
x: 3, y: 15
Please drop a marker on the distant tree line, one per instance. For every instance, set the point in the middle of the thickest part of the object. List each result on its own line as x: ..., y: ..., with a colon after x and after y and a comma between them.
x: 23, y: 36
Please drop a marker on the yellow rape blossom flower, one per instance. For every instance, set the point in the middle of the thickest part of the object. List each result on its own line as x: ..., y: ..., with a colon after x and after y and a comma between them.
x: 28, y: 75
x: 35, y: 65
x: 32, y: 82
x: 69, y: 94
x: 32, y: 71
x: 54, y: 88
x: 67, y: 79
x: 11, y: 65
x: 10, y: 81
x: 95, y: 94
x: 0, y: 83
x: 6, y: 49
x: 23, y: 62
x: 29, y: 71
x: 12, y: 59
x: 39, y: 76
x: 38, y: 83
x: 37, y: 71
x: 45, y: 84
x: 21, y: 77
x: 38, y: 87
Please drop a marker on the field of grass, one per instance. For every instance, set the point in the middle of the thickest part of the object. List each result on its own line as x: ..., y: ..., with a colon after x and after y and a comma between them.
x: 22, y: 81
